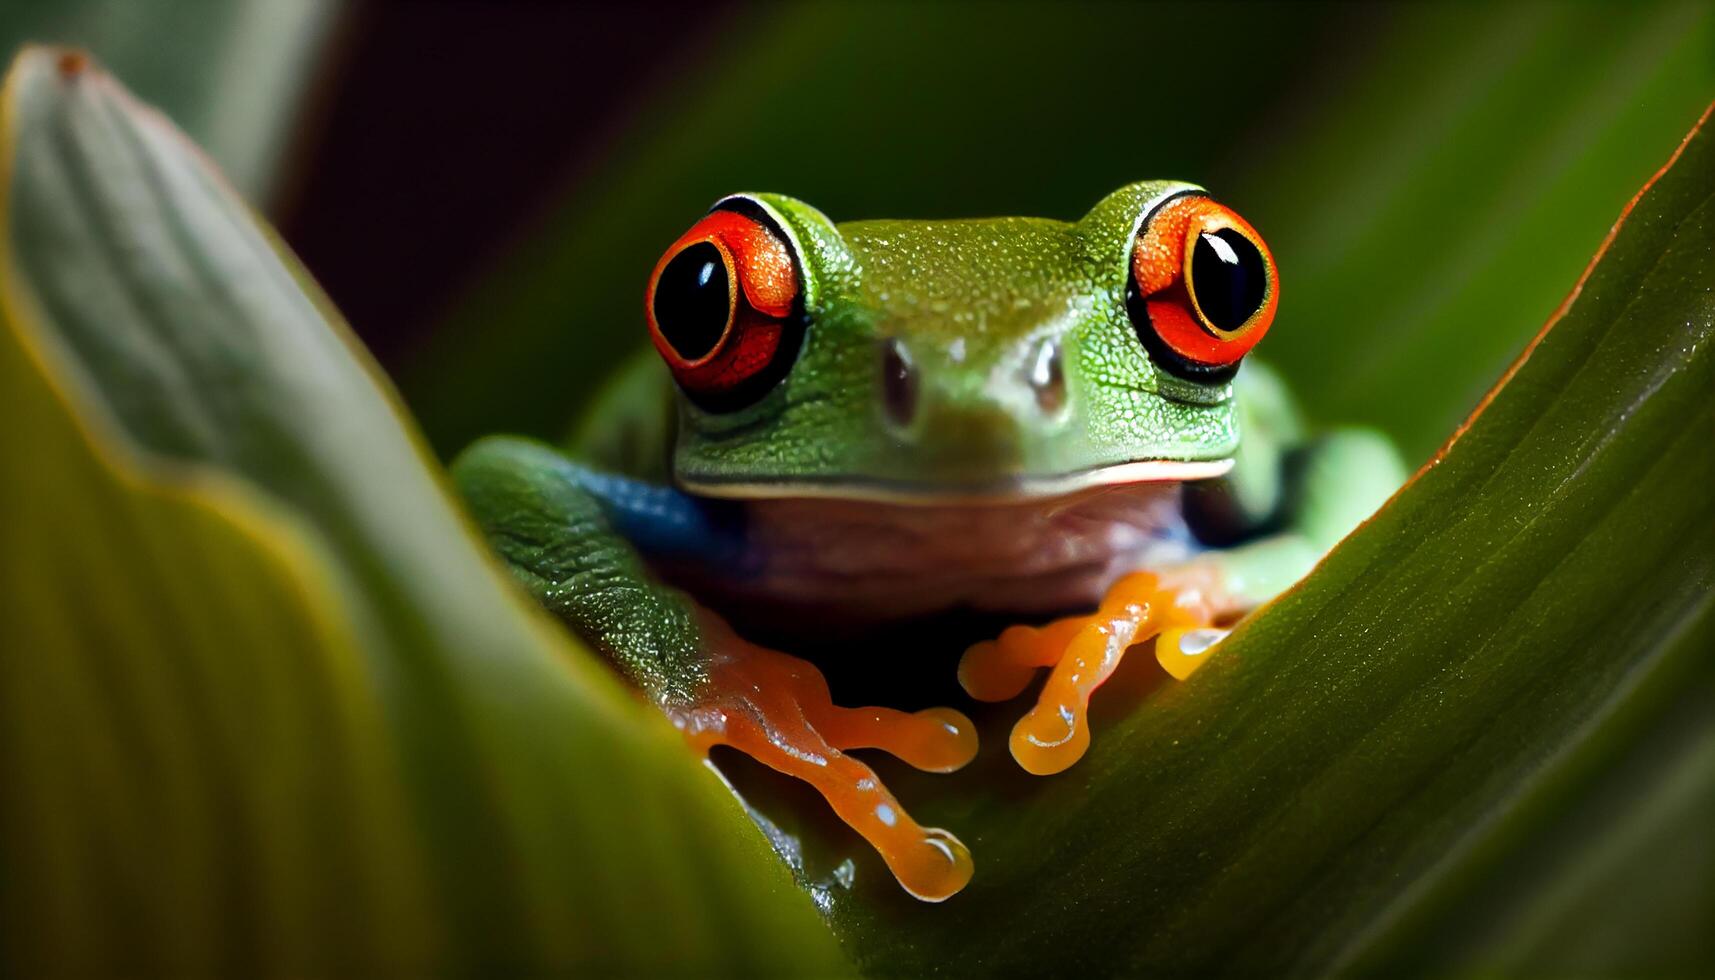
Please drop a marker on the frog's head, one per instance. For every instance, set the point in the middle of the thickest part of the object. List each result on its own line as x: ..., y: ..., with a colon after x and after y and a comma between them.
x: 927, y: 361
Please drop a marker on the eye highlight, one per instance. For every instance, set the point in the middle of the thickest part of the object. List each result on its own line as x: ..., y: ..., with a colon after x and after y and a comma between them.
x: 1203, y: 288
x: 722, y: 308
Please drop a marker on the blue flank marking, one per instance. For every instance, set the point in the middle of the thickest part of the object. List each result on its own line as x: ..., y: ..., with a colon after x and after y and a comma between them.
x: 666, y: 523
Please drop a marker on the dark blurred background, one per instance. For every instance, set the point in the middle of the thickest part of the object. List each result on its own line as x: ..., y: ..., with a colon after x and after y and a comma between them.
x: 454, y: 128
x: 443, y: 128
x: 482, y: 186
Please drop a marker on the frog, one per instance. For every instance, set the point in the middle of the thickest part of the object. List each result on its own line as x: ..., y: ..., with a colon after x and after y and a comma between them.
x: 839, y: 426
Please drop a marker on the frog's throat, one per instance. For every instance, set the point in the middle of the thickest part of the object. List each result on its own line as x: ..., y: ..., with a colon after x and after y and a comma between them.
x: 1009, y: 490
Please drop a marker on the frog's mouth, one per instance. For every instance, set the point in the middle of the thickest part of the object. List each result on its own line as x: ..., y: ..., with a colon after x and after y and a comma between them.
x: 1007, y: 490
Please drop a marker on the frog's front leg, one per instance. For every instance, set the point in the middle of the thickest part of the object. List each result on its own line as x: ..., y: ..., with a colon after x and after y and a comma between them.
x: 559, y: 527
x: 1341, y: 480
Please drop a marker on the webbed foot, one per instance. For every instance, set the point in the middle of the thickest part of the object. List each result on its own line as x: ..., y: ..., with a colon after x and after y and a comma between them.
x: 777, y: 709
x: 1084, y: 651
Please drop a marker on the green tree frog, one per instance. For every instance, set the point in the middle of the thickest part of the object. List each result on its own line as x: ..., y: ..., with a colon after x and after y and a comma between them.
x: 846, y: 425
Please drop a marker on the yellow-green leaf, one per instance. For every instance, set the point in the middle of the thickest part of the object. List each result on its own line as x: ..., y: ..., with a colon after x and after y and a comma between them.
x: 267, y: 705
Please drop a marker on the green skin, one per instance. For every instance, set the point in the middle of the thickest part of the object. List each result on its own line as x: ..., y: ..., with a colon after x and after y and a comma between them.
x: 970, y: 303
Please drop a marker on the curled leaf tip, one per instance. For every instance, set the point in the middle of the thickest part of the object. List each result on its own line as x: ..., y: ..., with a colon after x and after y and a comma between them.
x: 72, y: 63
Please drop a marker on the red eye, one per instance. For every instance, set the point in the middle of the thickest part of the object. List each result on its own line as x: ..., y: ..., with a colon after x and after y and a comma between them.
x: 721, y: 310
x: 1204, y: 288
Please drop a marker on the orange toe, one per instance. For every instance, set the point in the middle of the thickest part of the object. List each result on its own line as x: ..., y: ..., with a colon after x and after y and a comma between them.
x: 1083, y: 651
x: 1000, y: 669
x: 1181, y: 651
x: 777, y: 709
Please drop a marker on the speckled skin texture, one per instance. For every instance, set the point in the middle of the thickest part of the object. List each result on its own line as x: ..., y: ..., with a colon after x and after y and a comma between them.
x: 969, y: 303
x: 556, y: 538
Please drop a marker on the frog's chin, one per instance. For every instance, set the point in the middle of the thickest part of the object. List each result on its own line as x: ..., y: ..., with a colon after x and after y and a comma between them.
x: 1007, y: 490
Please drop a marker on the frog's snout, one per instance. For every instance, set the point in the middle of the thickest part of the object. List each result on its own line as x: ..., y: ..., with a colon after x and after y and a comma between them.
x: 998, y: 415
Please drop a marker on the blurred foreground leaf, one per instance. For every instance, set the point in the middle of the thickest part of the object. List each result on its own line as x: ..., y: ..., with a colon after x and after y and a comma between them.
x: 1478, y: 738
x: 266, y: 705
x: 232, y: 73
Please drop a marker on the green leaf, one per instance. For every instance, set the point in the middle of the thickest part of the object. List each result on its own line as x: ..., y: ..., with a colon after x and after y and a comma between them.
x: 232, y: 73
x: 267, y: 706
x: 1478, y: 738
x: 1431, y: 210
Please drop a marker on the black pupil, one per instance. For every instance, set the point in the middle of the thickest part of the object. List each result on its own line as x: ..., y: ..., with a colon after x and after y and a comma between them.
x: 692, y: 300
x: 1228, y: 277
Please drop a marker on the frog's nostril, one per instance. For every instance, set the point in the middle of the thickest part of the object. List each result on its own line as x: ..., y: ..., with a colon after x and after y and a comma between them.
x: 898, y: 383
x: 1047, y: 378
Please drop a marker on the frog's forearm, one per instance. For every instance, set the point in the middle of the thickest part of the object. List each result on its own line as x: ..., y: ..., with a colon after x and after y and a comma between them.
x: 1341, y: 479
x: 1346, y: 475
x: 541, y: 515
x: 553, y: 521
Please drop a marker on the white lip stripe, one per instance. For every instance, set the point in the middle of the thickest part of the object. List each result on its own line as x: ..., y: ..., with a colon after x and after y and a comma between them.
x: 1022, y: 489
